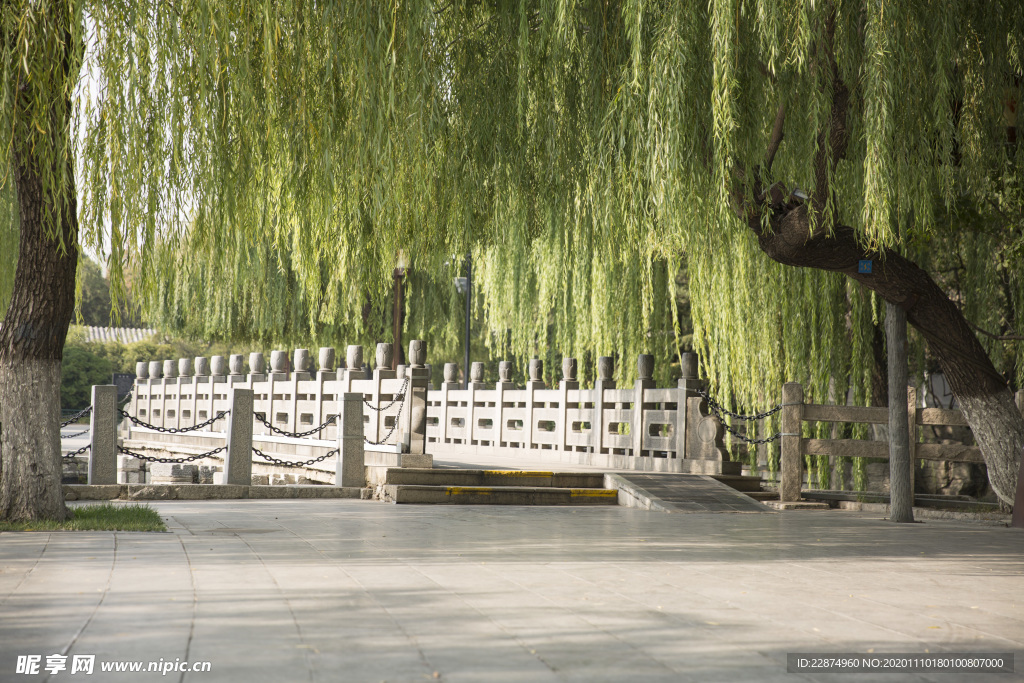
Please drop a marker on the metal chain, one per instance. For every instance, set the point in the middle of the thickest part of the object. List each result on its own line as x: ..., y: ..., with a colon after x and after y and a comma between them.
x: 172, y: 430
x: 296, y: 435
x: 398, y: 397
x: 394, y: 426
x: 126, y: 400
x: 743, y: 437
x: 83, y: 449
x: 720, y: 410
x: 71, y: 436
x: 73, y: 418
x: 289, y: 463
x: 150, y: 458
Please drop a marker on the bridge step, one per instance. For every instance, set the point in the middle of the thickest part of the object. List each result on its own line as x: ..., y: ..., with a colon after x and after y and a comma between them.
x: 408, y: 476
x: 499, y: 495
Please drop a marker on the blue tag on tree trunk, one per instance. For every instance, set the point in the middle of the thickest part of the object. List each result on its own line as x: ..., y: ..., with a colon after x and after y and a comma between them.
x: 864, y: 266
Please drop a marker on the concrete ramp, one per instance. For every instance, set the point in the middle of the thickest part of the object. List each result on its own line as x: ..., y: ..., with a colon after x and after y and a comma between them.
x: 680, y: 493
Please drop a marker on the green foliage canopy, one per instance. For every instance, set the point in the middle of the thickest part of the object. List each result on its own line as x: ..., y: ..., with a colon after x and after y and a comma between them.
x: 260, y: 164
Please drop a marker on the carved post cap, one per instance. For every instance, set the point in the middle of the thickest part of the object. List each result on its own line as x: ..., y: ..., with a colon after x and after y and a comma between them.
x: 301, y: 360
x: 644, y: 366
x: 536, y: 369
x: 237, y: 364
x: 569, y: 369
x: 505, y: 371
x: 170, y: 368
x: 278, y: 361
x: 476, y: 372
x: 417, y: 353
x: 218, y: 366
x: 605, y: 368
x: 156, y: 369
x: 184, y: 367
x: 257, y: 363
x: 451, y: 372
x: 354, y: 357
x: 142, y: 369
x: 202, y: 366
x: 385, y: 352
x: 688, y: 364
x: 327, y: 358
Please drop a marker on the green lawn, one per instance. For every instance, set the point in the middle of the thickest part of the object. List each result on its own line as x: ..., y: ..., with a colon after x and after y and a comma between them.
x: 103, y: 517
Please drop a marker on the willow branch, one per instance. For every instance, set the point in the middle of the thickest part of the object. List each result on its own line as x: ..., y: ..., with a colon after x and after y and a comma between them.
x: 999, y: 337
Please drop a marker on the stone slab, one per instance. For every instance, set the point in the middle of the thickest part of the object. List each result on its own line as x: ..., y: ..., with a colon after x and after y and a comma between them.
x: 298, y: 491
x: 93, y: 491
x: 472, y: 477
x: 682, y: 493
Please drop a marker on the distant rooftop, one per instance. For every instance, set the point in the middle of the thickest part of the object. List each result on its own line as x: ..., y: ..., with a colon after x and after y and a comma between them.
x: 125, y: 335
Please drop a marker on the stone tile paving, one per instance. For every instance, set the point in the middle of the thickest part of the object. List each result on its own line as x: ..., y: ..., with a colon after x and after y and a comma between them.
x: 345, y: 590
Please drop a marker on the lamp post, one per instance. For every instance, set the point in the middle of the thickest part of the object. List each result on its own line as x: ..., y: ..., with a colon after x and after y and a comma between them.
x: 398, y: 312
x: 465, y: 286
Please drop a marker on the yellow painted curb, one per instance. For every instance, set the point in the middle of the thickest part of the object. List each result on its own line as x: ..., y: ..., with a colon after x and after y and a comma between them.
x: 467, y: 491
x: 519, y: 473
x: 593, y: 493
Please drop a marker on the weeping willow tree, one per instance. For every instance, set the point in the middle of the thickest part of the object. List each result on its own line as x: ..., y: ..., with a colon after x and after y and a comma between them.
x: 260, y: 164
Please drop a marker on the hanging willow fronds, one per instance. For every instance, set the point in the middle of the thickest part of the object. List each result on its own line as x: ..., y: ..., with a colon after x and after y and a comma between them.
x: 258, y: 164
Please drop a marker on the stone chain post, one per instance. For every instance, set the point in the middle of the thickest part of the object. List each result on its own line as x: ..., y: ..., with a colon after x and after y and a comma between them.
x: 605, y: 372
x: 687, y: 387
x: 350, y: 467
x: 791, y: 464
x: 238, y: 457
x: 644, y: 381
x: 103, y: 430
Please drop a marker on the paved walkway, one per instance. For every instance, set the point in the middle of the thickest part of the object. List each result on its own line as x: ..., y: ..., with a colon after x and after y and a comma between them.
x: 348, y: 590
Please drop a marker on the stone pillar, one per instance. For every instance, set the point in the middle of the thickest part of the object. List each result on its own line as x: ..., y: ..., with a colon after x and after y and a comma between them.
x: 350, y: 467
x: 686, y: 388
x: 565, y: 385
x: 791, y: 464
x: 354, y: 362
x: 503, y: 384
x: 605, y: 372
x: 382, y: 371
x: 301, y: 363
x: 414, y: 414
x: 156, y: 372
x: 103, y: 426
x: 644, y: 381
x: 202, y: 372
x: 238, y: 457
x: 536, y: 382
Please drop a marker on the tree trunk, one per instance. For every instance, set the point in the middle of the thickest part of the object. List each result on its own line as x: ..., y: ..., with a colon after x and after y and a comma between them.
x: 983, y: 394
x: 42, y: 301
x: 901, y: 490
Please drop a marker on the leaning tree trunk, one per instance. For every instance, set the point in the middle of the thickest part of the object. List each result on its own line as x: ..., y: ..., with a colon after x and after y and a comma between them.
x: 984, y: 395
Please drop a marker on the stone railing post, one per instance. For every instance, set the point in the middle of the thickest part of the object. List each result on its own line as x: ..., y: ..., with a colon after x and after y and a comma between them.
x: 644, y: 381
x: 503, y: 384
x: 605, y: 372
x: 536, y: 370
x: 687, y: 388
x: 476, y: 381
x: 382, y: 371
x: 413, y: 429
x: 156, y: 372
x: 565, y: 385
x: 103, y: 443
x: 185, y: 379
x: 350, y: 467
x: 791, y: 464
x: 238, y: 456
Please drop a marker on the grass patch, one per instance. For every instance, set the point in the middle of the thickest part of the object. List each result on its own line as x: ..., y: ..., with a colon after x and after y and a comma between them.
x: 103, y: 517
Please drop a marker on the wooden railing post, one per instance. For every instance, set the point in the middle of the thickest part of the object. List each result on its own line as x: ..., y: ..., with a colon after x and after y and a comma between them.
x: 791, y: 464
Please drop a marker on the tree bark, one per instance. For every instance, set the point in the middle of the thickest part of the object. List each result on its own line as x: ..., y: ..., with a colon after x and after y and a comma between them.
x: 901, y: 490
x: 42, y: 302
